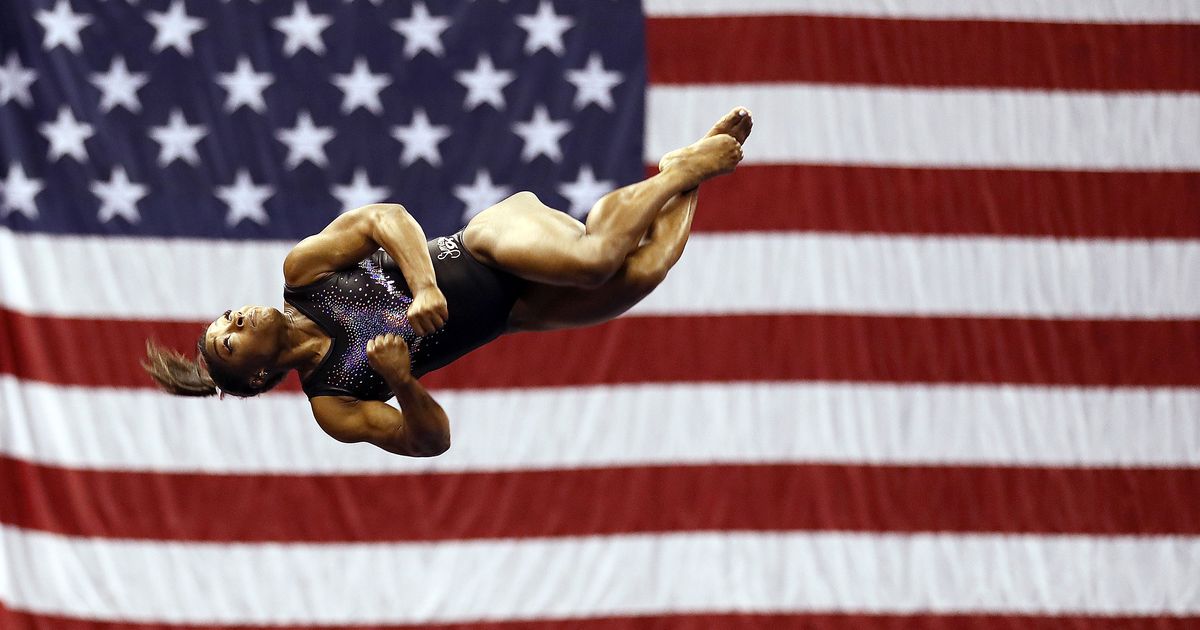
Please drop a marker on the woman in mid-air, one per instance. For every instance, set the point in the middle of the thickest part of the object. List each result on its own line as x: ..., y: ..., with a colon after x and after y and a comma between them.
x: 361, y: 323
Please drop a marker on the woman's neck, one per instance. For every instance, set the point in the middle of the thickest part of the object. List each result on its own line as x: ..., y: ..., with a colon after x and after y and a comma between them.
x: 307, y: 342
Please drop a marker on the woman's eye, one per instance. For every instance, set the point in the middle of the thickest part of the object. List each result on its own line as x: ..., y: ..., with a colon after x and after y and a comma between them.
x: 227, y: 346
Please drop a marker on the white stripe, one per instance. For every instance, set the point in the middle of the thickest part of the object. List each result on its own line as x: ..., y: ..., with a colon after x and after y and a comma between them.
x: 782, y: 272
x: 618, y: 426
x: 137, y: 278
x: 599, y: 576
x: 720, y: 273
x: 1132, y: 11
x: 938, y: 127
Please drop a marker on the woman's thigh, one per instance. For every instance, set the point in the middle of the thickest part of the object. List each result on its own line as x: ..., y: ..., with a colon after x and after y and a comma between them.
x: 546, y: 307
x: 531, y: 240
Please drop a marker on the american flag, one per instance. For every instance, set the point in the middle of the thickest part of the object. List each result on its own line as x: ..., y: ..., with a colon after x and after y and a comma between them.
x: 931, y: 358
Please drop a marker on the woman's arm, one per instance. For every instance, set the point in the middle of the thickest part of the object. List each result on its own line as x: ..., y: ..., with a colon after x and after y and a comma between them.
x: 355, y: 235
x: 421, y: 430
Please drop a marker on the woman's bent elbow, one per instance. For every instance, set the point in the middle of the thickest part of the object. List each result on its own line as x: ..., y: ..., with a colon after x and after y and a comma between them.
x: 432, y: 446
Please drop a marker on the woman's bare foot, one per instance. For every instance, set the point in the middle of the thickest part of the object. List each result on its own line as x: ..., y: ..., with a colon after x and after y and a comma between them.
x: 706, y: 158
x: 737, y: 124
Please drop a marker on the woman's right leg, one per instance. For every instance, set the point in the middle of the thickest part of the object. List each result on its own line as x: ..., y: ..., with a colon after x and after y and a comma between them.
x: 530, y: 240
x: 545, y: 307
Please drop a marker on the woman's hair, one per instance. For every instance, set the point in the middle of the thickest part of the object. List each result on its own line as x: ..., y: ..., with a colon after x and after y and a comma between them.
x: 176, y: 373
x: 202, y: 376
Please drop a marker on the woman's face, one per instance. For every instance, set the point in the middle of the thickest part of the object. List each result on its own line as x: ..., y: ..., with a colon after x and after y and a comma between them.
x: 246, y: 339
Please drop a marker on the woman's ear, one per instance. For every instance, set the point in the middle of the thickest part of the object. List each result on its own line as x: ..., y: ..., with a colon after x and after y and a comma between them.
x: 259, y: 378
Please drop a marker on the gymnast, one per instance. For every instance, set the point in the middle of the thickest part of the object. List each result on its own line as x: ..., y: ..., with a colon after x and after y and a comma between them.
x: 360, y: 324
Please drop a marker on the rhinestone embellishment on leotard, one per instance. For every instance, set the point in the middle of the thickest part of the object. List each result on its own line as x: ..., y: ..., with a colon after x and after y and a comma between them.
x: 365, y: 303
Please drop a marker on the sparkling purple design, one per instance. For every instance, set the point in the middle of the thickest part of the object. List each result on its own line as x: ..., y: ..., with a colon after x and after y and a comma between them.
x: 365, y: 302
x: 377, y: 275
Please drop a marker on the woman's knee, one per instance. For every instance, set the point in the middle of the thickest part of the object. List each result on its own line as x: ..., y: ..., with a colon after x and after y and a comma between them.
x: 642, y: 277
x: 596, y: 262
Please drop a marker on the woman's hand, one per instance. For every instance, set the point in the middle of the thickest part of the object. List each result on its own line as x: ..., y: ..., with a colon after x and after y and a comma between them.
x: 388, y: 355
x: 428, y: 311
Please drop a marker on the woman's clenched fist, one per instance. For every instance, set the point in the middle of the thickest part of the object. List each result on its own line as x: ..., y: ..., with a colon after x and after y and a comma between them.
x: 388, y: 355
x: 428, y: 311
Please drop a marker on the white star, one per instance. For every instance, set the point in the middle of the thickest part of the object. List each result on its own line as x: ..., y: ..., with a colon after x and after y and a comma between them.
x: 305, y: 141
x: 541, y: 135
x: 421, y: 139
x: 178, y: 140
x: 119, y: 86
x: 480, y: 195
x: 245, y: 200
x: 118, y: 196
x: 66, y: 135
x: 245, y: 86
x: 585, y: 191
x: 62, y: 26
x: 594, y: 83
x: 302, y: 29
x: 422, y: 32
x: 545, y: 29
x: 359, y: 193
x: 19, y: 191
x: 484, y: 83
x: 174, y: 28
x: 360, y: 88
x: 15, y: 80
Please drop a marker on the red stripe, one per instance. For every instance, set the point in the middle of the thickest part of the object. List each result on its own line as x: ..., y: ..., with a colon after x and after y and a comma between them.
x: 871, y: 51
x: 583, y: 502
x: 1068, y: 204
x: 695, y: 349
x: 30, y: 621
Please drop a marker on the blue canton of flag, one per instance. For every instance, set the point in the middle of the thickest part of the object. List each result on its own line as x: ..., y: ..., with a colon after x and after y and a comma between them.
x: 240, y: 119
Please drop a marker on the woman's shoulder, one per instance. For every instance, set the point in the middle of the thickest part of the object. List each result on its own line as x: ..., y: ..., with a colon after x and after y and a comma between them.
x: 299, y: 269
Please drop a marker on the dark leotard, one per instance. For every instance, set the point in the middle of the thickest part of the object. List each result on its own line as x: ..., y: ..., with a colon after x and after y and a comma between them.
x: 356, y: 304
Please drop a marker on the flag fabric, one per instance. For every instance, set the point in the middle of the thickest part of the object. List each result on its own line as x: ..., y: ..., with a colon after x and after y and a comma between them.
x: 931, y: 358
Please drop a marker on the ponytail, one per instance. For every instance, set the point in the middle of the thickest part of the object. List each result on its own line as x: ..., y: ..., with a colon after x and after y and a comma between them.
x: 177, y: 374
